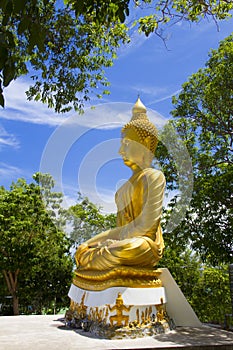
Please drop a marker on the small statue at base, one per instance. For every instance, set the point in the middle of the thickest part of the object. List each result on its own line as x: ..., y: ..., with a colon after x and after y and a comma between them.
x: 119, y: 317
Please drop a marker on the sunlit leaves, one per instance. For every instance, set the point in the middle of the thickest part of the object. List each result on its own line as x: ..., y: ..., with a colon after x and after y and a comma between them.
x: 30, y: 242
x: 87, y: 220
x: 207, y: 292
x: 67, y: 54
x: 203, y: 118
x: 102, y: 11
x: 203, y: 285
x: 67, y: 45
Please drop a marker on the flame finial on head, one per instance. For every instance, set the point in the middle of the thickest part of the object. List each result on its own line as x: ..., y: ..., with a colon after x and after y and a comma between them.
x: 138, y: 107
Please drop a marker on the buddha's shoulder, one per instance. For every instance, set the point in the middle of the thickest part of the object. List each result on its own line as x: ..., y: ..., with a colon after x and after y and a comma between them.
x: 152, y: 174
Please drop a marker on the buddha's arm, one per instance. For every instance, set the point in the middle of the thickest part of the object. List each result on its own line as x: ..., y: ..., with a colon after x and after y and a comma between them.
x: 153, y: 201
x: 147, y: 222
x: 153, y: 184
x: 103, y: 236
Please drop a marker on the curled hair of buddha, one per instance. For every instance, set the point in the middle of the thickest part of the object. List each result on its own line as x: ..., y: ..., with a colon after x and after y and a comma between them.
x: 142, y: 125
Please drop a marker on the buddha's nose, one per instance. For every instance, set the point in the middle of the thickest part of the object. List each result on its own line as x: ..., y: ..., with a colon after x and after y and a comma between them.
x: 121, y: 150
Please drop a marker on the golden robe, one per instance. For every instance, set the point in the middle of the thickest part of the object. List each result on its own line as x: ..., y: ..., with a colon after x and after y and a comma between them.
x: 137, y: 240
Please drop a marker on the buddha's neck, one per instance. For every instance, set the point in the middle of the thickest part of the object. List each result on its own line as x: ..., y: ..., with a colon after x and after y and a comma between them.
x: 136, y: 169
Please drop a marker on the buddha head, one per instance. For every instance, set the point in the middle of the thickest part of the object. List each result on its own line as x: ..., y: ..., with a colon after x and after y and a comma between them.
x: 119, y: 300
x: 139, y: 139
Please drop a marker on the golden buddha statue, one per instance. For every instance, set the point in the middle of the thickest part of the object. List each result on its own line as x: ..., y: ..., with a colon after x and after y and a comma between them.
x: 136, y: 242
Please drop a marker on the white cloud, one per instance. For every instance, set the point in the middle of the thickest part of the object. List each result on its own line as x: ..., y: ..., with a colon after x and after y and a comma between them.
x: 7, y: 139
x: 103, y: 198
x: 102, y: 116
x: 68, y: 201
x: 136, y: 41
x: 149, y: 90
x: 19, y: 108
x: 167, y: 97
x: 9, y: 171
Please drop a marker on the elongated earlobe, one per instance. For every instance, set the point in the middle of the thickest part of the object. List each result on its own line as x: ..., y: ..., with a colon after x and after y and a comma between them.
x: 147, y: 142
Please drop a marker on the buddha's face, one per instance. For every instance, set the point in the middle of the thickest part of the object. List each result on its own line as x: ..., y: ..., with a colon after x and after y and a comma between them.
x: 133, y: 151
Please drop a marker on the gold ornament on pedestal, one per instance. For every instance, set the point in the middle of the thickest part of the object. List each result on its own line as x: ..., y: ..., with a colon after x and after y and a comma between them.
x: 119, y: 317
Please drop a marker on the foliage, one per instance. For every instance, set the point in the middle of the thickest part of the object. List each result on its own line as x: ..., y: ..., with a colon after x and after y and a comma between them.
x: 211, y: 294
x: 206, y: 288
x: 66, y: 54
x: 86, y: 220
x: 52, y: 200
x: 156, y: 12
x: 34, y: 255
x: 203, y: 120
x: 68, y: 44
x: 184, y: 265
x: 46, y: 288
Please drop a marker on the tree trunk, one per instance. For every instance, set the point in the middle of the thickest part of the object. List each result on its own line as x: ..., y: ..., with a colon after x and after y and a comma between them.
x: 11, y: 279
x: 15, y: 304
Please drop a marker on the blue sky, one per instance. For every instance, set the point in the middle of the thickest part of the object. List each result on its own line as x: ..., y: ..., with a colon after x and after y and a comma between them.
x: 81, y: 151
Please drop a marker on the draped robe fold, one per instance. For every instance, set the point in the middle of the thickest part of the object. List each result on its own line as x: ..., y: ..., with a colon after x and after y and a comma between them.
x: 137, y: 240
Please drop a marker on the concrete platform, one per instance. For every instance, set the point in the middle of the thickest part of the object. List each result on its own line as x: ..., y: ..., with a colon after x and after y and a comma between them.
x: 49, y: 333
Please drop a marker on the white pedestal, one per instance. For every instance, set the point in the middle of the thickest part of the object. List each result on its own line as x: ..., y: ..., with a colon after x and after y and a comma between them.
x: 131, y: 296
x: 141, y: 301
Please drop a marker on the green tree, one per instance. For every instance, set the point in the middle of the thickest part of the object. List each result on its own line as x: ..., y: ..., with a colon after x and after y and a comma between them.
x: 185, y: 267
x: 52, y: 200
x: 66, y: 45
x: 65, y: 54
x: 87, y: 220
x: 154, y: 13
x: 211, y: 294
x: 203, y: 285
x: 34, y: 251
x: 203, y: 120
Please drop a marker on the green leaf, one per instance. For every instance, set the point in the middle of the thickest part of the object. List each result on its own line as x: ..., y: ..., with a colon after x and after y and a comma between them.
x: 2, y: 102
x: 8, y: 74
x: 18, y: 5
x: 7, y: 12
x: 69, y: 47
x: 3, y: 4
x: 23, y: 25
x: 3, y: 57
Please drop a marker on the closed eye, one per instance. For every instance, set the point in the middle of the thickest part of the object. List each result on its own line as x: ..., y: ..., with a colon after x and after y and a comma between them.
x: 125, y: 142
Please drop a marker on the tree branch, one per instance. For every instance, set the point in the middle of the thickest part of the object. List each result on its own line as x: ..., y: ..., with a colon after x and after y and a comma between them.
x: 7, y: 282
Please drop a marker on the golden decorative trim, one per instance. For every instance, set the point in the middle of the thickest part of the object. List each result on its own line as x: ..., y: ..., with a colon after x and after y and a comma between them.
x: 161, y: 314
x: 124, y: 276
